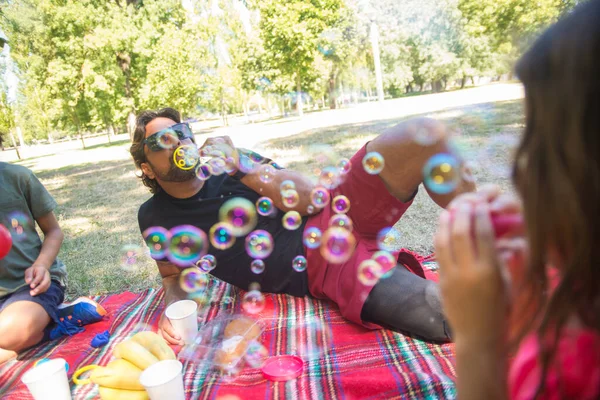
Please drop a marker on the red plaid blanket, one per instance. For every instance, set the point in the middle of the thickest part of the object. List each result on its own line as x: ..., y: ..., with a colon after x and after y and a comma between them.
x: 358, y: 363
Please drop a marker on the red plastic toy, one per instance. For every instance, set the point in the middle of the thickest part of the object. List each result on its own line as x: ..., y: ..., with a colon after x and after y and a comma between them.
x: 5, y: 241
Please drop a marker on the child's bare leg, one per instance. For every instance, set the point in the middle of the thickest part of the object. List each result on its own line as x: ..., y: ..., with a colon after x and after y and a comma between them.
x: 22, y: 325
x: 6, y: 355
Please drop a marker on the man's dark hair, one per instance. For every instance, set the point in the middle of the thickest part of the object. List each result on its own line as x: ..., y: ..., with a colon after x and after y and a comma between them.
x: 137, y: 147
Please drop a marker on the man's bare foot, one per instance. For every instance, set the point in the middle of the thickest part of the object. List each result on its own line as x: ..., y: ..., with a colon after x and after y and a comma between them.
x: 6, y: 355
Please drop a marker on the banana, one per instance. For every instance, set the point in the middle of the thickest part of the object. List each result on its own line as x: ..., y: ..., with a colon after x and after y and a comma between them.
x: 155, y: 344
x: 119, y: 394
x: 118, y: 374
x: 135, y: 353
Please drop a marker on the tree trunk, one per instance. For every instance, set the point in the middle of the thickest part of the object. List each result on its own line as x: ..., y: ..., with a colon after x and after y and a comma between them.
x: 131, y: 124
x: 282, y: 101
x: 463, y: 82
x: 81, y: 137
x: 436, y: 86
x: 14, y: 143
x: 473, y: 80
x: 299, y: 95
x: 421, y: 87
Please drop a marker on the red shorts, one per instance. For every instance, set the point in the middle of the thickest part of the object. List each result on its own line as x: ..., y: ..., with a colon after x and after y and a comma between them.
x: 372, y: 208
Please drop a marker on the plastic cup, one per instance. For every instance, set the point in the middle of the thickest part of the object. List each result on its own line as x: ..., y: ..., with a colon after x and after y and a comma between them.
x: 48, y: 381
x: 184, y: 318
x: 164, y: 380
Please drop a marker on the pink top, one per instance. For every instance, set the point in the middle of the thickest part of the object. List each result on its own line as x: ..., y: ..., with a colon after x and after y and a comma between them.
x: 574, y: 374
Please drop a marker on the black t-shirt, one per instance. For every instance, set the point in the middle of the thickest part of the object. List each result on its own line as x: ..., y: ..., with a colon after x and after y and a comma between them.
x: 233, y: 264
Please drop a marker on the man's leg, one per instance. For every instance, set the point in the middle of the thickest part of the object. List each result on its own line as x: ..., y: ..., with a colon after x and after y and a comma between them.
x: 22, y: 325
x: 405, y: 158
x: 408, y: 303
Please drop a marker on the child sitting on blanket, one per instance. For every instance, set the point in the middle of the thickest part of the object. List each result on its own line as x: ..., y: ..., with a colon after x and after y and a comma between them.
x: 539, y: 288
x: 32, y: 279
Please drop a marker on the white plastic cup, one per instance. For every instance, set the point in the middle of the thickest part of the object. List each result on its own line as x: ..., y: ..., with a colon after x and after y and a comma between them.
x: 184, y: 318
x: 164, y: 380
x: 48, y: 381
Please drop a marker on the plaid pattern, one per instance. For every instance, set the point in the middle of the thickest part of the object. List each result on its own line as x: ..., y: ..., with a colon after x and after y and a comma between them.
x: 356, y: 364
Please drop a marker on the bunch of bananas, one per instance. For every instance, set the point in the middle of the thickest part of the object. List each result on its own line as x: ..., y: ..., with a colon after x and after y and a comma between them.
x: 120, y: 379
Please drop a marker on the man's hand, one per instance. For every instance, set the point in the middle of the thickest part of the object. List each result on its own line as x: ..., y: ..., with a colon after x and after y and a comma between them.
x: 222, y: 147
x: 168, y: 333
x: 38, y: 279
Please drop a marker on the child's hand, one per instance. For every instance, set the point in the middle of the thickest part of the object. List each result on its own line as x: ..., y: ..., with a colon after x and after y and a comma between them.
x: 38, y: 279
x: 167, y: 332
x: 472, y: 280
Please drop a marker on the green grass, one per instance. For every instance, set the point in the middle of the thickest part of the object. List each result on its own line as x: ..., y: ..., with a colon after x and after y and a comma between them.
x: 99, y: 195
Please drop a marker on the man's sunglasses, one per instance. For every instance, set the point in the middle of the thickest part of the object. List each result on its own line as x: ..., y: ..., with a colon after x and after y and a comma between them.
x: 169, y: 138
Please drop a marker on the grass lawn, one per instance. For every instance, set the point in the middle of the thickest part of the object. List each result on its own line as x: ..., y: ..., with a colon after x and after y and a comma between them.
x: 99, y: 195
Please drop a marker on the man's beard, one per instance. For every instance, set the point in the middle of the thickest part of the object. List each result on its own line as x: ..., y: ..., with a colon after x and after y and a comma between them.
x: 175, y: 174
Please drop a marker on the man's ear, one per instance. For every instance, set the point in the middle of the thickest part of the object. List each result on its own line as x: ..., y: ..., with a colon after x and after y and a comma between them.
x: 147, y: 170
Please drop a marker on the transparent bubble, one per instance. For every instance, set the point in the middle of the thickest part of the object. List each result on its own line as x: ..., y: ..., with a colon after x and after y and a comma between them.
x: 240, y: 214
x: 203, y: 172
x: 192, y: 280
x: 299, y: 263
x: 373, y: 163
x: 388, y: 239
x: 337, y: 245
x: 386, y: 260
x: 221, y: 235
x: 254, y: 286
x: 130, y: 256
x: 253, y: 302
x: 330, y: 177
x: 167, y: 139
x: 341, y: 221
x: 230, y: 165
x: 287, y: 185
x: 425, y: 137
x: 266, y: 172
x: 218, y: 165
x: 369, y: 272
x: 256, y: 354
x: 310, y: 209
x: 290, y: 198
x: 441, y: 173
x: 157, y: 239
x: 344, y: 165
x: 207, y: 263
x: 19, y: 223
x: 257, y: 266
x: 188, y: 244
x: 259, y: 244
x: 340, y: 204
x: 319, y: 197
x: 186, y: 157
x: 312, y: 237
x: 311, y: 338
x: 291, y: 220
x: 264, y: 206
x: 323, y: 154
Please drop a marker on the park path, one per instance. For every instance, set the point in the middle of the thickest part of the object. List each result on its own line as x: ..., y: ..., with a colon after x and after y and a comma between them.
x: 45, y: 157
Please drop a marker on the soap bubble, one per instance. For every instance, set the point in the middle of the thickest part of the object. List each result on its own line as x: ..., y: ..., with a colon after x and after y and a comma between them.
x: 203, y: 172
x: 373, y: 163
x: 221, y: 235
x: 386, y: 260
x: 188, y: 244
x: 441, y: 173
x: 264, y: 206
x: 369, y: 272
x: 257, y: 266
x: 425, y: 137
x: 344, y: 165
x: 341, y: 221
x: 157, y: 239
x: 287, y: 185
x: 259, y: 244
x: 312, y: 237
x: 319, y: 197
x: 310, y: 209
x: 266, y: 173
x: 311, y: 339
x: 207, y: 263
x: 337, y: 245
x: 256, y: 354
x: 388, y: 238
x: 19, y: 223
x: 291, y: 220
x: 130, y: 255
x: 290, y: 198
x: 218, y: 165
x: 340, y: 204
x: 230, y: 165
x: 240, y: 214
x: 253, y: 302
x: 192, y: 280
x: 330, y: 177
x: 299, y: 263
